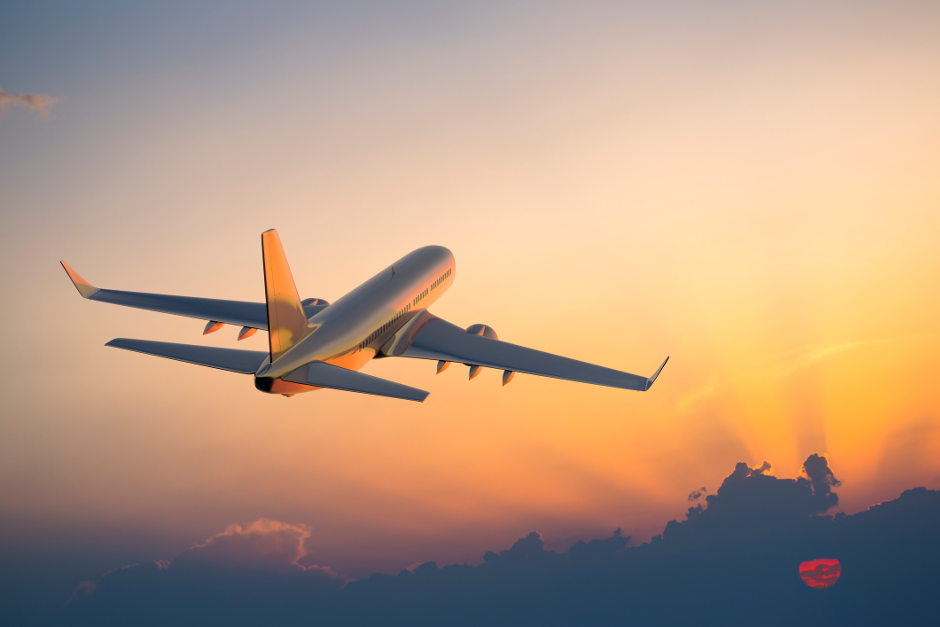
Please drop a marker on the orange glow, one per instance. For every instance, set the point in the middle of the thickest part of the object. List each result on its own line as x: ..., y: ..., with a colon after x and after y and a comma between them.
x: 752, y: 192
x: 820, y: 573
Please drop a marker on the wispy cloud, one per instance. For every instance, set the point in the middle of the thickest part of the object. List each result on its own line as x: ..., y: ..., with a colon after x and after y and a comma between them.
x: 697, y: 394
x: 794, y: 361
x: 40, y: 103
x: 798, y: 360
x: 264, y: 545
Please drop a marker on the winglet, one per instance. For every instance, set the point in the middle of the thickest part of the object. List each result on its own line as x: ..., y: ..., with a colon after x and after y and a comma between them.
x: 86, y: 289
x: 651, y: 380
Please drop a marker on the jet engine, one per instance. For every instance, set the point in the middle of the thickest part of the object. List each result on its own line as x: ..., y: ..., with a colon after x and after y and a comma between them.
x: 475, y: 369
x: 313, y: 306
x: 485, y: 331
x: 482, y: 329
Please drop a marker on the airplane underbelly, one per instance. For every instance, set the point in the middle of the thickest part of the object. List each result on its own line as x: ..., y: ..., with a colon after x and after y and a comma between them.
x: 353, y: 360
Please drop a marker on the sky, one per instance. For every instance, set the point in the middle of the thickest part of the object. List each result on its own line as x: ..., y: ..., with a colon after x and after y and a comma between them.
x: 749, y: 188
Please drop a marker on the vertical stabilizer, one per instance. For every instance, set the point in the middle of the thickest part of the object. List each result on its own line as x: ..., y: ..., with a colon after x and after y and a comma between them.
x: 287, y: 322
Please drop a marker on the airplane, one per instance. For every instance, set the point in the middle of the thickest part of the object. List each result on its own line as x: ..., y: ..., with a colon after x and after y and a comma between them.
x: 314, y: 344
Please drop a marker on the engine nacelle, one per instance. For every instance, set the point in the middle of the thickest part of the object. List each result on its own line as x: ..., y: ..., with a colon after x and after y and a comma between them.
x: 313, y: 306
x: 482, y: 329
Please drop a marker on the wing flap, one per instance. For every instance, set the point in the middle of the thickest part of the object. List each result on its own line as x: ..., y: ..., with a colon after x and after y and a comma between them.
x: 440, y: 340
x: 326, y: 375
x: 230, y: 359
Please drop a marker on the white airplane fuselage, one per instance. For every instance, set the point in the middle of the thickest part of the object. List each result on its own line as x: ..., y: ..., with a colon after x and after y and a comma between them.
x: 352, y: 330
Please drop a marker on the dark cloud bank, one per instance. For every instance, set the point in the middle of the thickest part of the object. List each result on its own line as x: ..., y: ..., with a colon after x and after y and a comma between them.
x: 732, y: 561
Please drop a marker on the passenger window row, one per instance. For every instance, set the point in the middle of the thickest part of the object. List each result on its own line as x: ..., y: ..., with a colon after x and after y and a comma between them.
x: 385, y: 327
x: 378, y: 332
x: 440, y: 280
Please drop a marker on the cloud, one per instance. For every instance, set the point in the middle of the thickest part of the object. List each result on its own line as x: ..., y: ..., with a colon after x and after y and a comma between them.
x: 40, y: 103
x: 697, y: 394
x: 751, y: 503
x: 527, y: 548
x: 763, y: 469
x: 799, y: 360
x: 234, y: 577
x: 265, y: 544
x: 817, y: 469
x: 732, y: 560
x: 599, y: 550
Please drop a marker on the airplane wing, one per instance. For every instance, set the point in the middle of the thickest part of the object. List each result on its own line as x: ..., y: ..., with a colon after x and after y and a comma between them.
x: 430, y: 337
x: 233, y: 312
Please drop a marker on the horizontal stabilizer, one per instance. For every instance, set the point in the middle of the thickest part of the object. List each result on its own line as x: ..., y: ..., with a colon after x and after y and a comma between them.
x: 231, y: 359
x: 326, y: 375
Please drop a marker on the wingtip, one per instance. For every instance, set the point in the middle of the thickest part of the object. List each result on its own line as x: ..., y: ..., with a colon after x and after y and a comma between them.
x: 652, y: 380
x: 86, y: 289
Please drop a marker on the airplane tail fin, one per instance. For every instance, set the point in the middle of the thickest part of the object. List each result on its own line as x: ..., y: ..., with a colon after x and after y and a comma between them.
x: 287, y: 322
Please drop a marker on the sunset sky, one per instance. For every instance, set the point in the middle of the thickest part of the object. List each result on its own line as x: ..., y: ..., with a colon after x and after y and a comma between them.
x: 749, y: 188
